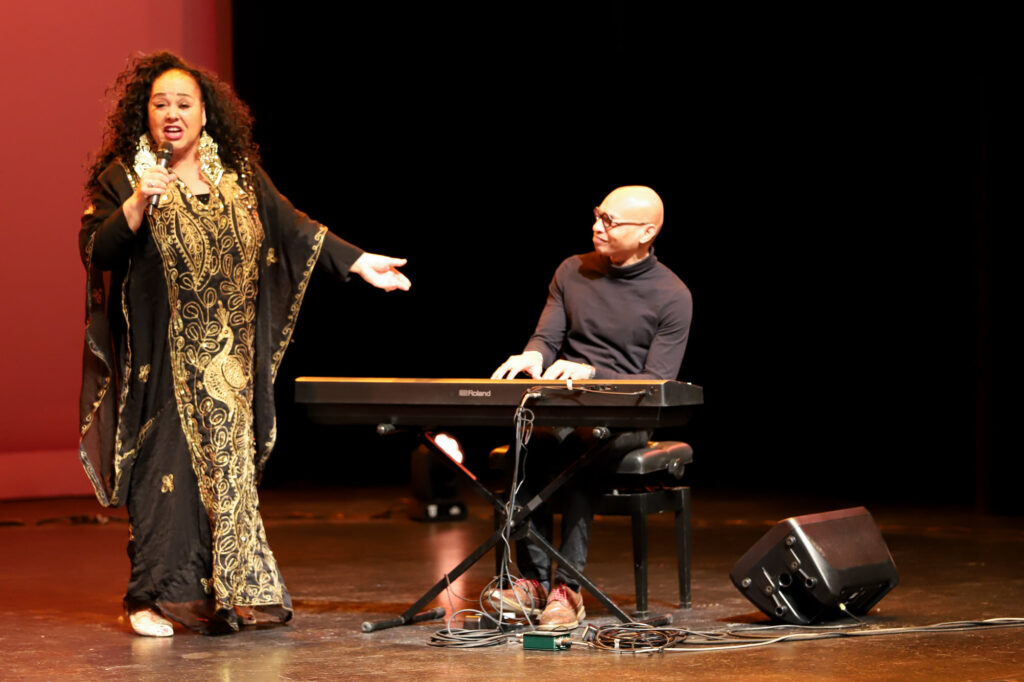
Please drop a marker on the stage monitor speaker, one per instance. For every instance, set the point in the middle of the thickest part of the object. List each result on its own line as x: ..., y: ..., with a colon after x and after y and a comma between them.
x: 809, y: 568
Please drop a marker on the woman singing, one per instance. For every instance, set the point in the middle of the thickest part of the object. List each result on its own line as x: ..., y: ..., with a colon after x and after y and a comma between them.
x: 196, y: 269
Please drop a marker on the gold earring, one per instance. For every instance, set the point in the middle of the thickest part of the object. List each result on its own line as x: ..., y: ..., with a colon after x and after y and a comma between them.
x: 209, y: 159
x: 207, y: 147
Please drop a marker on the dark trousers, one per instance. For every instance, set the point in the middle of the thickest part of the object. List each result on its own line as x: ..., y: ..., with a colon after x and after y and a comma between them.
x: 548, y: 453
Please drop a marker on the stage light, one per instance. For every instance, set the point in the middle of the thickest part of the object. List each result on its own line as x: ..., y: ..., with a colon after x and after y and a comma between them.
x: 449, y: 446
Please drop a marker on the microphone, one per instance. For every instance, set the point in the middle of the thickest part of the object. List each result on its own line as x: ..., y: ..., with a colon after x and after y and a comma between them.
x: 163, y: 159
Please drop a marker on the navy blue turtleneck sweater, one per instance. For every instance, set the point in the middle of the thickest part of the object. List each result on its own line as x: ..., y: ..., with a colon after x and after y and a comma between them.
x: 628, y: 322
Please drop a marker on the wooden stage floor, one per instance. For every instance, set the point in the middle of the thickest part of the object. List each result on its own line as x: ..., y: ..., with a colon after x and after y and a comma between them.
x: 350, y: 555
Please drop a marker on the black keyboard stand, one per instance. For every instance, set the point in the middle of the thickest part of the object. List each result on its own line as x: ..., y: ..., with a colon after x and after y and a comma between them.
x: 519, y: 528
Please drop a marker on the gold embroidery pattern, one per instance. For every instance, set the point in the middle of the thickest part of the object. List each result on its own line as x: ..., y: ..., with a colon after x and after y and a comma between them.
x: 144, y: 431
x: 167, y: 484
x: 210, y: 254
x: 144, y: 373
x: 271, y: 257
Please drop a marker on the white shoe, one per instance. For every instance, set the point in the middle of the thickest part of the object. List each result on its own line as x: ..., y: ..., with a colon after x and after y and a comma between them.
x: 149, y: 623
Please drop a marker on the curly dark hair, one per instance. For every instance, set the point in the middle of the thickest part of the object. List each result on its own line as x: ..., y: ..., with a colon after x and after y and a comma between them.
x: 228, y: 119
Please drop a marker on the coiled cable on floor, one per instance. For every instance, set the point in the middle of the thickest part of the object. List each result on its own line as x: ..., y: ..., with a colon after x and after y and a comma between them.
x: 456, y: 638
x: 635, y: 638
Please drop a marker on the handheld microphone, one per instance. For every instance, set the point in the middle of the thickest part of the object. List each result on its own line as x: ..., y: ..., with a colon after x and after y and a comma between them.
x: 163, y: 159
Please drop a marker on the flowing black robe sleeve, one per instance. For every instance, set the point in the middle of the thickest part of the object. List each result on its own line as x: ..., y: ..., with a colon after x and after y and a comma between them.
x: 105, y: 244
x: 293, y: 244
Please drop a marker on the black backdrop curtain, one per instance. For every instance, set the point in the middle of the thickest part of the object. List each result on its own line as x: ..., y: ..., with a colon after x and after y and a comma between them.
x: 838, y: 199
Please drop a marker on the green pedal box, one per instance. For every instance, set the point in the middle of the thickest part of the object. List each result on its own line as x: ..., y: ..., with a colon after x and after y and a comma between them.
x: 547, y: 641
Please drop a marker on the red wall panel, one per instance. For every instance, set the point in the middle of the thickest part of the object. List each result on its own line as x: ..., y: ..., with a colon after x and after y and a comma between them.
x: 57, y: 57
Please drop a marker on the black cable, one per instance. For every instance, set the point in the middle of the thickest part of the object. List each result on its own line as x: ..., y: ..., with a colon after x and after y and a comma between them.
x: 636, y: 638
x: 468, y: 639
x: 584, y: 389
x: 632, y: 637
x: 464, y: 638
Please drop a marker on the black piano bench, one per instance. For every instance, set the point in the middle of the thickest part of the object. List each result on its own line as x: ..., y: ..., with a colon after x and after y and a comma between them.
x: 645, y: 481
x: 642, y: 482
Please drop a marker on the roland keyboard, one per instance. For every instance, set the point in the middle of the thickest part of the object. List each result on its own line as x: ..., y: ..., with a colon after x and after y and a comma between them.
x: 487, y: 402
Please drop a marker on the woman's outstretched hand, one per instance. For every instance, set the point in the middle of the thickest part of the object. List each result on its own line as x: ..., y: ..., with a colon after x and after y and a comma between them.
x: 381, y: 271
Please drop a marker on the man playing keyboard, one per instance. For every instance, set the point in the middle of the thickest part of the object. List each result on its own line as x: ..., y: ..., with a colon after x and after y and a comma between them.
x: 613, y: 313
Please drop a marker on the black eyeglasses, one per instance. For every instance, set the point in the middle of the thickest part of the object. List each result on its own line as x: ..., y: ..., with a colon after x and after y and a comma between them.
x: 609, y: 223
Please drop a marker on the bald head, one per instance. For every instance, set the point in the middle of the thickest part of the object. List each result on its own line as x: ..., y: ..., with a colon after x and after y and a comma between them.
x: 635, y: 203
x: 627, y: 222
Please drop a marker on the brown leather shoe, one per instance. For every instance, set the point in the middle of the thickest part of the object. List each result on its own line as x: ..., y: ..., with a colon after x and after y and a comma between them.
x: 526, y: 596
x: 564, y: 610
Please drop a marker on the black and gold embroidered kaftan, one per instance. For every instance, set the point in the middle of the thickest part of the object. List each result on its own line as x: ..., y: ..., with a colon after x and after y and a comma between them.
x: 188, y: 321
